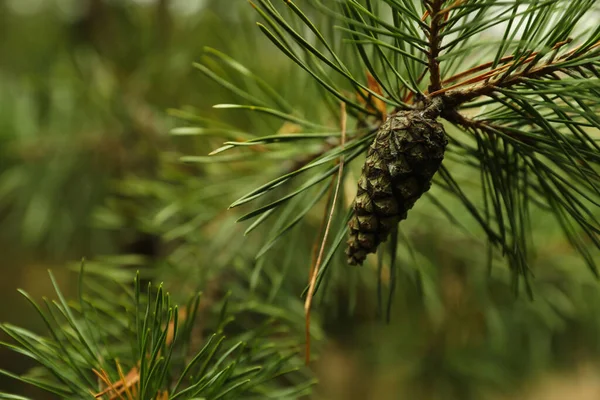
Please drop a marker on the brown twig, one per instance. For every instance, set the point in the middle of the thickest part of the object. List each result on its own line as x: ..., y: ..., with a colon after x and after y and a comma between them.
x: 446, y: 11
x: 455, y: 95
x: 315, y: 270
x: 461, y: 96
x: 483, y: 126
x: 478, y: 68
x: 126, y: 384
x: 445, y: 14
x: 459, y: 119
x: 435, y: 42
x: 490, y: 74
x: 482, y: 77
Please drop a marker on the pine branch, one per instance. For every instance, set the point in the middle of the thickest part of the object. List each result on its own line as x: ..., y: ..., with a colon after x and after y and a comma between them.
x: 544, y: 182
x: 501, y: 77
x: 87, y: 340
x: 534, y: 99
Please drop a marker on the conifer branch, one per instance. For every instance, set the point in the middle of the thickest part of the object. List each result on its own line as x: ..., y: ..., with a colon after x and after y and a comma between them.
x: 504, y: 62
x: 501, y: 77
x: 540, y: 104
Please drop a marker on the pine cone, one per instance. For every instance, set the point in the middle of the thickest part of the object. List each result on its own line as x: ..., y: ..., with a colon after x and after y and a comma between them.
x: 400, y: 164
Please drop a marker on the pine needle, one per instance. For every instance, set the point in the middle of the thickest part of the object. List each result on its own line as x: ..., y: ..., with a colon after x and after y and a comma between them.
x: 124, y: 385
x: 315, y: 269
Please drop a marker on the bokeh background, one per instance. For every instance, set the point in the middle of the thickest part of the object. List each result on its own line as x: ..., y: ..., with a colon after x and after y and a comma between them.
x: 85, y: 92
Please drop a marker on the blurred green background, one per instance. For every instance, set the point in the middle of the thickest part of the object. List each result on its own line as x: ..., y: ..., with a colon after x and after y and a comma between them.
x: 87, y: 164
x: 84, y: 89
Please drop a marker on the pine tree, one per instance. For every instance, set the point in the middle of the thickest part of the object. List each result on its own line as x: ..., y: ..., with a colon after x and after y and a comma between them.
x: 386, y: 107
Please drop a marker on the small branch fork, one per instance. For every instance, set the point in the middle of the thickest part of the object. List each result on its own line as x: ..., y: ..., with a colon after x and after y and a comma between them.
x: 485, y: 83
x: 505, y: 63
x: 314, y: 271
x: 490, y: 84
x: 453, y: 96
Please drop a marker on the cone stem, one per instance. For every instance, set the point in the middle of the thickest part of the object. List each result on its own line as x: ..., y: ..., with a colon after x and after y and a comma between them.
x: 434, y: 108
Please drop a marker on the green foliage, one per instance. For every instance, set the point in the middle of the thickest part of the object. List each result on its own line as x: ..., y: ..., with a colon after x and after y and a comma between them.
x: 532, y: 119
x: 80, y: 106
x: 523, y: 148
x: 166, y: 351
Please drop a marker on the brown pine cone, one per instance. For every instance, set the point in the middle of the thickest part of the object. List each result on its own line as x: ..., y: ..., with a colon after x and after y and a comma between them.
x: 400, y: 164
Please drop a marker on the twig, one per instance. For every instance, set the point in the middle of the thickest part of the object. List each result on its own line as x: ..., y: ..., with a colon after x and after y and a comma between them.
x: 119, y: 387
x: 492, y: 73
x: 481, y: 67
x: 445, y: 13
x: 434, y: 46
x: 483, y: 126
x: 315, y: 270
x: 455, y: 96
x: 478, y: 68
